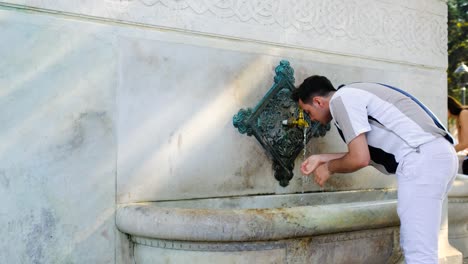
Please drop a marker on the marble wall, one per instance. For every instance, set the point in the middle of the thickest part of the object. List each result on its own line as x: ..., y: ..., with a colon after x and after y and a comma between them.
x: 117, y: 101
x: 57, y: 141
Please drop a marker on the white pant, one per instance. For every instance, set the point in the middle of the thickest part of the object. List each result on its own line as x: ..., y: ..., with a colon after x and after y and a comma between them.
x: 424, y: 179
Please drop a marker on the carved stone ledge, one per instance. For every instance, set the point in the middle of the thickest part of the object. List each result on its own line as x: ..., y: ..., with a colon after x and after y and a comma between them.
x: 381, y: 246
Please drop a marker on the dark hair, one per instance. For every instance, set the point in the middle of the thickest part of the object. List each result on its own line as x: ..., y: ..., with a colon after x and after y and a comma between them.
x: 312, y: 86
x: 454, y: 107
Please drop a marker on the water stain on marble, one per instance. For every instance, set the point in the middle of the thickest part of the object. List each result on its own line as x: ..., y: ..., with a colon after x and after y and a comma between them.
x: 247, y: 172
x: 88, y: 123
x: 246, y: 175
x: 41, y: 237
x: 105, y: 234
x: 171, y: 135
x: 179, y: 142
x: 78, y: 135
x: 252, y: 168
x: 144, y: 54
x: 4, y: 180
x: 143, y: 210
x: 339, y: 182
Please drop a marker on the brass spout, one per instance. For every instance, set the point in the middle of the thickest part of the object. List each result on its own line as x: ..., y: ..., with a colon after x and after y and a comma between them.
x: 299, y: 122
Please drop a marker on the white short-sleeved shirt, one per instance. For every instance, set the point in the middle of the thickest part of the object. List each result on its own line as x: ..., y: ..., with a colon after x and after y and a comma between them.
x: 394, y: 123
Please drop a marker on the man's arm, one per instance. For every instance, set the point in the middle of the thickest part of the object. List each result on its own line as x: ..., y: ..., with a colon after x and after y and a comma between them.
x: 356, y: 158
x: 312, y: 162
x: 462, y: 131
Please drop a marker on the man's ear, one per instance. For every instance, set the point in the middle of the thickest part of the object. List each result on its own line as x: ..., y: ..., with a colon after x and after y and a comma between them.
x: 318, y: 101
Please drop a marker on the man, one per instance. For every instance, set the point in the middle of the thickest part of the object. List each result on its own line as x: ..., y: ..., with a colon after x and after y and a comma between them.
x: 392, y: 131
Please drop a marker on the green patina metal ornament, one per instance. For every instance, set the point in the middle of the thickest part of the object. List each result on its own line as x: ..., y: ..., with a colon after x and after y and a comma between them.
x: 282, y: 143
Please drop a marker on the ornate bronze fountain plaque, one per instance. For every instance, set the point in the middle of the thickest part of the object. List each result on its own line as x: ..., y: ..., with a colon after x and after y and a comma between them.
x: 282, y: 143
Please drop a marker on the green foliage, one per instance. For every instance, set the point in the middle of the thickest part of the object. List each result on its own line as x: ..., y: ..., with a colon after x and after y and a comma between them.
x: 457, y: 42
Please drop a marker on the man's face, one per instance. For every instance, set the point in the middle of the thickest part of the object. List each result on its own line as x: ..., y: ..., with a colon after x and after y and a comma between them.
x: 316, y: 109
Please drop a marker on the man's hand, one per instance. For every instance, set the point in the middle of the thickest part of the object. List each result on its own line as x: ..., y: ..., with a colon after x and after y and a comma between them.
x: 322, y: 174
x: 356, y: 158
x: 310, y: 164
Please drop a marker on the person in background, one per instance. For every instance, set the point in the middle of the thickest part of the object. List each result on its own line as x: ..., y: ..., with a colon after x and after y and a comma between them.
x: 391, y: 130
x: 459, y: 113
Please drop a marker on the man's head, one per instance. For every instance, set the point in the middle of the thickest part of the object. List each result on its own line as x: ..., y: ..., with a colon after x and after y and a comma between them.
x: 313, y: 96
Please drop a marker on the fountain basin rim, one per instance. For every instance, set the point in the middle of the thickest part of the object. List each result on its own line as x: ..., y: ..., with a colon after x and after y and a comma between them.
x: 202, y: 224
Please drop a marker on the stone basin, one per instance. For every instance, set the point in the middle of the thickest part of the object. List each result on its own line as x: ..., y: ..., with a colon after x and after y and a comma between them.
x: 335, y: 227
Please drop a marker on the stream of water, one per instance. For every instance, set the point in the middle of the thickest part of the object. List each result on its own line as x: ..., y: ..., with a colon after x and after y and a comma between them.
x: 304, y: 178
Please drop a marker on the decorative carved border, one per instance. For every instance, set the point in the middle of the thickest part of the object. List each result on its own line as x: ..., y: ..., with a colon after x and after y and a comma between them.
x: 370, y: 23
x: 208, y: 246
x: 269, y: 245
x: 356, y: 235
x: 394, y: 31
x: 458, y: 200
